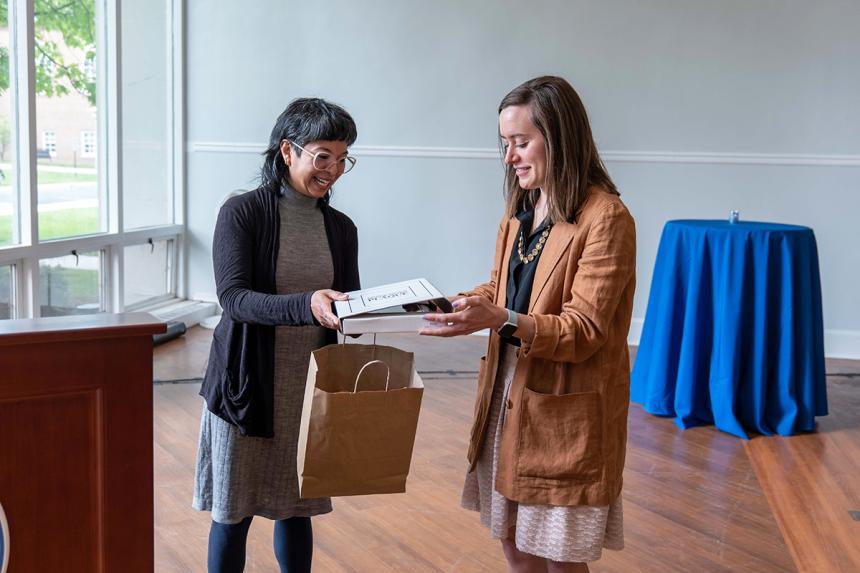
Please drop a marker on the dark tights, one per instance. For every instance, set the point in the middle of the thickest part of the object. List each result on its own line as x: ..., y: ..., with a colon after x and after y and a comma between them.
x: 294, y: 544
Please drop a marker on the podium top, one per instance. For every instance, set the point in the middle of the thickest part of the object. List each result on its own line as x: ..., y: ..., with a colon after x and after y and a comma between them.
x: 78, y: 327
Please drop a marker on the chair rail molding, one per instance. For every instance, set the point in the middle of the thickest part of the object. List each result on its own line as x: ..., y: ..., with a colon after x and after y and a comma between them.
x: 696, y: 157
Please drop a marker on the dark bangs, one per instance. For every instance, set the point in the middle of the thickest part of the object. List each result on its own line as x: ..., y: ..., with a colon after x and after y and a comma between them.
x: 305, y: 120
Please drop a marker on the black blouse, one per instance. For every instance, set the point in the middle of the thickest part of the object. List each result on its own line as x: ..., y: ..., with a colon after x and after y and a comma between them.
x: 521, y: 275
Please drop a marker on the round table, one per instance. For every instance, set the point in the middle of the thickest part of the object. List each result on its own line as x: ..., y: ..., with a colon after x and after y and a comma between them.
x: 733, y: 334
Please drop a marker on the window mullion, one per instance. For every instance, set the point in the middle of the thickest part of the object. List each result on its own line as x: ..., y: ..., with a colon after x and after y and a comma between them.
x: 27, y: 289
x: 115, y: 279
x: 177, y: 115
x: 24, y: 78
x: 109, y: 57
x: 172, y: 271
x: 24, y: 93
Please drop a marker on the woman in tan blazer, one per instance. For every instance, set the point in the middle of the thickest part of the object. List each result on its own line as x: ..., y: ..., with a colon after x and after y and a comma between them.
x: 548, y: 441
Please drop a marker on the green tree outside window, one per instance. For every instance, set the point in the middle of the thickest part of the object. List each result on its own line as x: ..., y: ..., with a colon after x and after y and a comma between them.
x: 61, y: 71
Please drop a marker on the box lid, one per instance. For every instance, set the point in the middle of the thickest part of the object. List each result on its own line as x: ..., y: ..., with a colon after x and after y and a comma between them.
x: 386, y: 296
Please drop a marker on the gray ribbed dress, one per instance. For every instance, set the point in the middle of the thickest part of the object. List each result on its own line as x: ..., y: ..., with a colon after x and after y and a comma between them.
x: 239, y: 476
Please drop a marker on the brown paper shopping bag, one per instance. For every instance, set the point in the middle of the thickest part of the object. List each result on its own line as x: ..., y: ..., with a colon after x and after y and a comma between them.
x: 358, y: 421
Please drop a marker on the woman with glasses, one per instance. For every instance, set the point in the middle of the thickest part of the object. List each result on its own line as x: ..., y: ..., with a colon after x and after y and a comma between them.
x: 548, y: 440
x: 281, y: 255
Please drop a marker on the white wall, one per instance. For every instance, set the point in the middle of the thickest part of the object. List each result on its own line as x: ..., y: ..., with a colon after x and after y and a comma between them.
x: 700, y: 108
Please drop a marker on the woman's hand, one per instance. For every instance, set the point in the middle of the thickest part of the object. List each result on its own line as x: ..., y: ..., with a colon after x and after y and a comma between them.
x: 471, y: 314
x: 321, y: 307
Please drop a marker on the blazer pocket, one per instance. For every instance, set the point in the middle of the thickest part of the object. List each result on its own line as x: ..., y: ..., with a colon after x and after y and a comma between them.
x: 560, y: 436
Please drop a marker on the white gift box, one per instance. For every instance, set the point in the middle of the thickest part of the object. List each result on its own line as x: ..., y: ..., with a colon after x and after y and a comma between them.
x: 381, y: 308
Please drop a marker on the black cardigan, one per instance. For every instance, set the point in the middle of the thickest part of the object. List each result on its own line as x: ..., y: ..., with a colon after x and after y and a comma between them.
x: 239, y: 381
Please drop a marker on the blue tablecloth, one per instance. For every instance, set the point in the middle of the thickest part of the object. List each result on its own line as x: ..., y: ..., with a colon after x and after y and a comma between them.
x: 733, y: 334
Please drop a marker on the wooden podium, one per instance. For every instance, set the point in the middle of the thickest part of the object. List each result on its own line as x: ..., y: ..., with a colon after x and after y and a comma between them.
x: 76, y: 442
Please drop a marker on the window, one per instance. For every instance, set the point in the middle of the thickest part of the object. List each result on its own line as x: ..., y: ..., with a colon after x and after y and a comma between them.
x: 9, y: 199
x: 64, y: 104
x: 7, y: 292
x: 49, y: 143
x: 147, y: 166
x: 148, y: 272
x: 71, y: 284
x: 63, y: 237
x: 88, y: 144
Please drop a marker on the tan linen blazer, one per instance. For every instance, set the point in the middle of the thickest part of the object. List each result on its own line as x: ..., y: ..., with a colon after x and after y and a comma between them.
x: 565, y: 432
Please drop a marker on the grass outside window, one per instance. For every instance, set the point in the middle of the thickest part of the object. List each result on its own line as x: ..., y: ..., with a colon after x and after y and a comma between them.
x: 56, y: 224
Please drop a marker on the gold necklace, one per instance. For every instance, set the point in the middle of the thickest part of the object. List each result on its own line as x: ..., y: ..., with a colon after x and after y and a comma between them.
x: 531, y: 256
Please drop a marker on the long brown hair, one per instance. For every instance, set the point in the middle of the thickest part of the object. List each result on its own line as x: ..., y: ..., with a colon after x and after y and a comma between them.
x: 573, y: 163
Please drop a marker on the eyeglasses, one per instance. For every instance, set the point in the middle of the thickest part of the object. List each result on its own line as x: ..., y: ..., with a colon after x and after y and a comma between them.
x: 323, y: 160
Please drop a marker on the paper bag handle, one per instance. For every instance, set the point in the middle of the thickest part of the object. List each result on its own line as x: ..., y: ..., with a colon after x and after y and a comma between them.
x: 387, y: 374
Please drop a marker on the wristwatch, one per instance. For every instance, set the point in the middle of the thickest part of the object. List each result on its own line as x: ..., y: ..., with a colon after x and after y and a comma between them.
x: 510, y: 326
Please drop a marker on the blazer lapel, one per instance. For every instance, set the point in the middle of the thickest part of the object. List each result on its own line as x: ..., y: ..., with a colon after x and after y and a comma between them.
x: 504, y: 264
x: 556, y: 245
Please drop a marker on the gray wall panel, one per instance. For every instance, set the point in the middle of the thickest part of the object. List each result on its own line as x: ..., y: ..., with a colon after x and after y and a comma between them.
x: 741, y: 78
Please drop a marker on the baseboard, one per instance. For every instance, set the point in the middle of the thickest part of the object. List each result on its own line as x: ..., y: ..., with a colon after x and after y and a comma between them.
x: 635, y: 332
x: 842, y: 344
x: 189, y: 312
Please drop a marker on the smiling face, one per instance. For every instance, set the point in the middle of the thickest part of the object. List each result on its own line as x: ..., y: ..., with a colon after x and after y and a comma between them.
x: 303, y: 176
x: 525, y: 147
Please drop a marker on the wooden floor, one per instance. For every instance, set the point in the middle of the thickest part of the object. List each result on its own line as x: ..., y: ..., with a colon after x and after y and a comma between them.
x: 694, y: 500
x: 813, y: 481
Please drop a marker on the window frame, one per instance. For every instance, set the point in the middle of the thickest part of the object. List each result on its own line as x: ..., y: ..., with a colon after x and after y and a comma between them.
x: 27, y: 250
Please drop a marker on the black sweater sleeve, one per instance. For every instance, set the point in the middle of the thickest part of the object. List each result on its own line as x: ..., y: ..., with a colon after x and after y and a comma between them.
x: 233, y: 255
